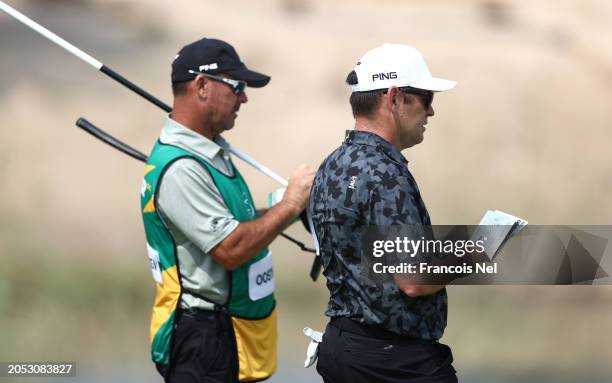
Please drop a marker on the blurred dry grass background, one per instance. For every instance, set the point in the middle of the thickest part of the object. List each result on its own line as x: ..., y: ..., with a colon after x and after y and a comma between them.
x: 526, y: 131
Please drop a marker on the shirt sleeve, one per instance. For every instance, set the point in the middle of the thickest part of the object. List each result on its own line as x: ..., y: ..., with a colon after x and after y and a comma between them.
x: 393, y: 202
x: 189, y: 199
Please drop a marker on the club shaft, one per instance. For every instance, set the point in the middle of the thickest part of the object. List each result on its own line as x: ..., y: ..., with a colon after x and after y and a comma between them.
x: 313, y: 234
x: 246, y: 158
x: 50, y: 35
x: 135, y: 88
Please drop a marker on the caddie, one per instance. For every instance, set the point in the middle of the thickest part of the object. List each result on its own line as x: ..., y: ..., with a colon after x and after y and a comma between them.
x: 387, y: 333
x: 214, y: 317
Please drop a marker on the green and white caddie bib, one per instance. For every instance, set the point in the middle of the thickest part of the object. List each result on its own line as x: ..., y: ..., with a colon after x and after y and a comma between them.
x: 250, y: 303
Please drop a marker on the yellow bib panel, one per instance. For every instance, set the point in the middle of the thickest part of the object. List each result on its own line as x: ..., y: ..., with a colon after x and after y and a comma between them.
x: 257, y: 349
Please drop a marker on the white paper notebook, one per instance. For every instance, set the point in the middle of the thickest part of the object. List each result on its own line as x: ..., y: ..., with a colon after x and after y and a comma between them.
x: 495, y: 228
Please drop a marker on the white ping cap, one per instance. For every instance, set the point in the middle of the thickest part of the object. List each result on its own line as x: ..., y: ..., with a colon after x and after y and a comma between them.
x: 396, y: 65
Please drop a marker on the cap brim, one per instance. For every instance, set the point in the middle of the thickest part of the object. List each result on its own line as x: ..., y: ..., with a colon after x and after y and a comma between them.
x: 252, y: 78
x: 435, y: 84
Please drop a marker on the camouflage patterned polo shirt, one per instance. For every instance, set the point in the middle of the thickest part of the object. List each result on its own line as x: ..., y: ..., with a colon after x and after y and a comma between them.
x: 362, y: 183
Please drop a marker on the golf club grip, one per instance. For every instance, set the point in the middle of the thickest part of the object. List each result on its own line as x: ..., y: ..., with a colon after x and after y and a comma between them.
x: 112, y: 141
x: 315, y: 270
x: 135, y: 88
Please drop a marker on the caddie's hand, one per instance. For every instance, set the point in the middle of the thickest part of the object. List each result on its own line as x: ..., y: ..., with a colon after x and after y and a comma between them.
x: 298, y: 190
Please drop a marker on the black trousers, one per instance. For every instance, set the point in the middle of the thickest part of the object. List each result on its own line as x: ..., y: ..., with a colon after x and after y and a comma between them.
x: 352, y: 353
x: 204, y: 349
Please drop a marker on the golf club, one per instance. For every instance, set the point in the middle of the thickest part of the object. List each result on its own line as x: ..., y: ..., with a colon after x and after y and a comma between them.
x: 122, y: 80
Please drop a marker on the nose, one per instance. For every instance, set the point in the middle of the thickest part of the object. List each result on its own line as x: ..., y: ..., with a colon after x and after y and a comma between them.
x: 430, y: 111
x: 242, y: 97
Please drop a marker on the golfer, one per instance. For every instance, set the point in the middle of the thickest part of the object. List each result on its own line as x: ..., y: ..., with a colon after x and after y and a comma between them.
x: 214, y: 317
x: 385, y: 333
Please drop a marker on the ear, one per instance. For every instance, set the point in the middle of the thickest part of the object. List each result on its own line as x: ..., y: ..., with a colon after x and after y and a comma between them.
x: 201, y: 86
x: 393, y: 98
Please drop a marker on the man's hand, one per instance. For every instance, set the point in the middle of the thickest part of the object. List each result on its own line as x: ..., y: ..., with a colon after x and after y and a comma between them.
x: 249, y: 238
x: 412, y: 286
x: 298, y: 190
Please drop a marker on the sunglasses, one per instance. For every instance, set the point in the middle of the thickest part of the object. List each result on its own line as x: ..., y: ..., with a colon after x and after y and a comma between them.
x: 237, y: 86
x: 425, y: 95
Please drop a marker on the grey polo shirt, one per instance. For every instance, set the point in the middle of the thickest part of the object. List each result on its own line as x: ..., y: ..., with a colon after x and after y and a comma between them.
x: 196, y: 215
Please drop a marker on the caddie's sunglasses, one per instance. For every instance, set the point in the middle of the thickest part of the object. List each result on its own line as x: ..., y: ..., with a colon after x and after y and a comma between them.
x: 237, y: 86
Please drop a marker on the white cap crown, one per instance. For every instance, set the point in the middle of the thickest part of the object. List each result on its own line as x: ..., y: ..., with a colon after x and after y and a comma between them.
x: 396, y: 65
